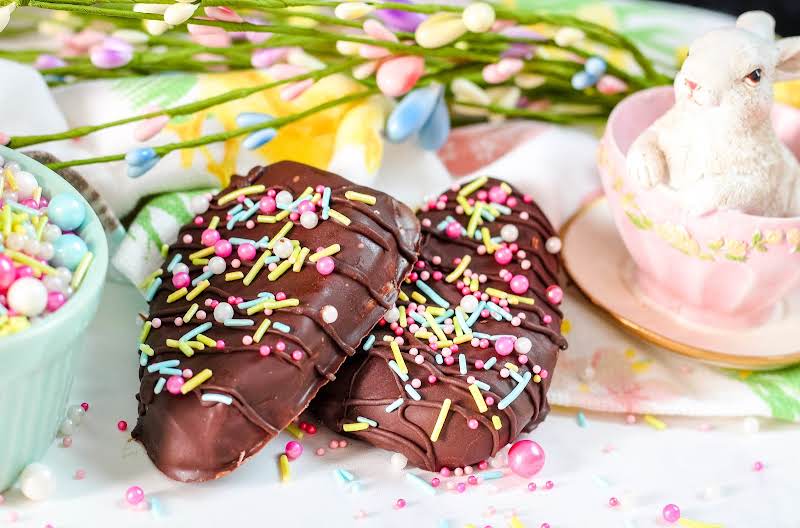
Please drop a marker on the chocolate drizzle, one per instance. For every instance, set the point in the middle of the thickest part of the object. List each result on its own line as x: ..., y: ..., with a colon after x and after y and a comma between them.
x: 366, y: 385
x: 191, y: 439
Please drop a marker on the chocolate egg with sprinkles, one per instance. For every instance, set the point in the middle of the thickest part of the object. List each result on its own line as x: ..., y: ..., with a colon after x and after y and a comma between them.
x: 254, y: 311
x: 460, y: 367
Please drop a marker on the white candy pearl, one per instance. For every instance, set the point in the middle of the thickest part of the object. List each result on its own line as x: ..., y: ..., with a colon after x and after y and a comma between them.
x: 217, y: 265
x: 553, y: 245
x: 392, y: 315
x: 478, y: 17
x: 51, y: 232
x: 76, y: 414
x: 509, y: 233
x: 309, y: 220
x: 27, y: 296
x: 26, y: 184
x: 199, y: 204
x: 223, y: 312
x: 469, y: 303
x: 587, y: 374
x: 330, y: 314
x: 398, y: 461
x: 523, y: 345
x: 37, y: 482
x: 53, y: 283
x: 67, y: 427
x: 284, y: 248
x: 751, y: 425
x: 284, y: 198
x: 180, y: 268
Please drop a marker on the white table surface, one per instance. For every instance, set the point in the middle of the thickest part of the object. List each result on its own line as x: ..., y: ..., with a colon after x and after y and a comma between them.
x: 644, y: 468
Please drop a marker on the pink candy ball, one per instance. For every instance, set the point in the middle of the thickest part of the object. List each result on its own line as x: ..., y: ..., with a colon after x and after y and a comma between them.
x: 246, y: 252
x: 7, y: 273
x: 671, y: 513
x: 453, y: 230
x: 55, y: 300
x: 503, y: 255
x: 306, y: 205
x: 174, y: 384
x: 181, y: 280
x: 267, y: 205
x: 497, y: 195
x: 209, y: 237
x: 554, y: 294
x: 134, y: 495
x: 293, y: 449
x: 526, y: 458
x: 223, y: 248
x: 504, y: 345
x: 325, y: 266
x: 519, y: 284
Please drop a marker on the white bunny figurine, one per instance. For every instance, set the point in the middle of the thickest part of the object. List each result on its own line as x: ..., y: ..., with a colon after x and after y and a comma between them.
x: 716, y: 147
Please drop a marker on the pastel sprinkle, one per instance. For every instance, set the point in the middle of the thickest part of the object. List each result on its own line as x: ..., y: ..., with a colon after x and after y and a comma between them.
x: 195, y: 381
x: 478, y: 397
x: 421, y: 483
x: 435, y: 297
x: 412, y: 392
x: 369, y: 342
x: 437, y: 428
x: 360, y: 197
x: 286, y: 329
x: 465, y: 260
x: 498, y: 424
x: 371, y: 423
x: 218, y: 398
x: 581, y: 419
x: 515, y: 392
x: 229, y: 197
x: 654, y: 422
x: 462, y: 363
x: 394, y: 405
x: 160, y: 385
x: 398, y: 357
x: 400, y: 374
x: 353, y: 427
x: 198, y: 330
x: 283, y: 466
x: 151, y: 291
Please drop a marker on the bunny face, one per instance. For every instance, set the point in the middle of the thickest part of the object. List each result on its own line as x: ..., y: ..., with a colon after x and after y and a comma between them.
x: 730, y: 71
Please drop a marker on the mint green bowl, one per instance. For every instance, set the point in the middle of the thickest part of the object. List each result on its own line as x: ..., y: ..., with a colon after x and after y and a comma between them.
x: 37, y: 364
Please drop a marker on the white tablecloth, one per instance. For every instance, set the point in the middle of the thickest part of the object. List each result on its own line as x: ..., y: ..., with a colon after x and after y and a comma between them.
x: 708, y: 473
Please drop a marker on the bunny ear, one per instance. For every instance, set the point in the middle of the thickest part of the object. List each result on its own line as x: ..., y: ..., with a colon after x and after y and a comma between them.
x: 788, y: 59
x: 759, y: 22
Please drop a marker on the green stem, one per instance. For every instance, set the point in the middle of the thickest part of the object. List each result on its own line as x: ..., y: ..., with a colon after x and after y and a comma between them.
x: 187, y: 109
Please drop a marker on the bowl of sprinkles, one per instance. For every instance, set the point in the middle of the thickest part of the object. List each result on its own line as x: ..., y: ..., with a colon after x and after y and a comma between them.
x: 53, y: 261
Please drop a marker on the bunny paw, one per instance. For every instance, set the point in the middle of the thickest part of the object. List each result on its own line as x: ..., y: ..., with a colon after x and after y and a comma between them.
x: 647, y: 166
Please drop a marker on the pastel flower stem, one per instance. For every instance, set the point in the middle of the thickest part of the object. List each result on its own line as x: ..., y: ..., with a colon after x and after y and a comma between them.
x: 187, y: 109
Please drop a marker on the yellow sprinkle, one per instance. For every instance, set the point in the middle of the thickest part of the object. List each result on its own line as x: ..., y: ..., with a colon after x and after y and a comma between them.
x: 6, y: 219
x: 506, y: 187
x: 492, y: 209
x: 516, y: 523
x: 301, y: 258
x: 37, y: 194
x: 147, y: 350
x: 457, y: 327
x: 478, y: 397
x: 174, y: 343
x: 630, y: 353
x: 690, y: 523
x: 465, y: 204
x: 253, y: 189
x: 434, y: 326
x: 351, y: 427
x: 283, y: 465
x: 437, y: 429
x: 654, y: 422
x: 442, y: 344
x: 40, y: 226
x: 566, y: 326
x: 202, y: 285
x: 516, y: 299
x: 475, y: 219
x: 511, y: 366
x: 205, y: 252
x: 266, y: 219
x: 164, y: 250
x: 500, y: 294
x: 178, y: 294
x: 207, y: 341
x: 280, y: 234
x: 327, y: 252
x: 262, y: 329
x: 29, y: 261
x: 487, y: 240
x: 465, y: 260
x: 186, y: 349
x: 417, y: 296
x: 256, y: 268
x: 360, y: 197
x: 199, y: 262
x: 295, y: 252
x: 640, y: 367
x: 197, y: 380
x: 214, y: 222
x: 339, y: 217
x: 282, y: 215
x: 280, y: 270
x: 234, y: 275
x: 295, y: 431
x: 12, y: 182
x: 2, y: 183
x: 496, y: 422
x: 145, y: 331
x: 316, y: 198
x: 80, y: 271
x: 435, y: 311
x: 473, y: 186
x: 403, y: 319
x: 398, y: 357
x: 150, y: 278
x: 190, y: 312
x: 423, y: 334
x: 474, y: 284
x: 537, y: 378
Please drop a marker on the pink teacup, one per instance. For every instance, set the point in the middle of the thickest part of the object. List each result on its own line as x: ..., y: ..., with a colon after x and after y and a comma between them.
x: 726, y: 269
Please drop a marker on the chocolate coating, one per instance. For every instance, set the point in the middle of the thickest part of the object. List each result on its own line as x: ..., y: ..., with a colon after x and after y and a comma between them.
x: 189, y: 439
x: 366, y: 386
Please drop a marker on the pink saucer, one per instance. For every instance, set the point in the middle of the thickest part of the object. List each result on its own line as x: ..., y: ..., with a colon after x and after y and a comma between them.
x: 600, y: 265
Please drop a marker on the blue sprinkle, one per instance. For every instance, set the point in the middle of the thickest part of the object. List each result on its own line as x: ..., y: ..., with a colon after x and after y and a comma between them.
x: 499, y: 311
x: 151, y: 291
x: 163, y: 364
x: 477, y: 313
x: 232, y: 222
x: 280, y: 327
x: 489, y: 363
x: 581, y: 419
x: 461, y: 321
x: 369, y: 342
x: 442, y: 318
x: 218, y: 398
x: 160, y: 385
x: 412, y: 392
x: 174, y: 262
x: 491, y: 475
x: 170, y: 372
x: 394, y: 405
x: 259, y: 138
x: 236, y: 241
x: 486, y: 215
x: 261, y: 297
x: 248, y: 202
x: 502, y: 208
x: 367, y: 421
x: 347, y: 475
x: 326, y: 202
x: 263, y: 242
x: 339, y: 476
x: 200, y: 278
x: 142, y: 358
x: 462, y: 363
x: 393, y: 365
x: 239, y: 322
x: 481, y: 335
x: 419, y: 319
x: 515, y: 375
x: 439, y: 359
x: 23, y: 208
x: 515, y: 392
x: 247, y: 215
x: 156, y: 507
x: 422, y: 484
x: 483, y: 385
x: 444, y: 223
x: 194, y: 332
x: 435, y: 297
x: 238, y: 208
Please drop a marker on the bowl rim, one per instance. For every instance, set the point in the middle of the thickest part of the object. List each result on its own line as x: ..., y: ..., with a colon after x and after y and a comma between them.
x: 610, y: 140
x: 92, y: 232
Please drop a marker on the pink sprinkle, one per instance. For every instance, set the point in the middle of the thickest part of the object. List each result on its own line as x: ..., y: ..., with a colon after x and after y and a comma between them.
x: 264, y: 350
x: 85, y: 406
x: 297, y: 355
x: 66, y: 441
x: 187, y: 373
x: 134, y: 495
x: 156, y: 323
x: 473, y: 480
x: 342, y: 444
x: 400, y: 504
x: 80, y: 474
x: 445, y: 472
x: 758, y: 466
x: 613, y: 502
x: 472, y: 423
x: 461, y: 487
x: 122, y: 425
x: 188, y: 239
x: 435, y: 482
x: 293, y: 449
x: 320, y: 451
x: 174, y: 384
x: 531, y: 486
x: 549, y: 484
x: 198, y: 220
x: 333, y: 444
x: 489, y: 400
